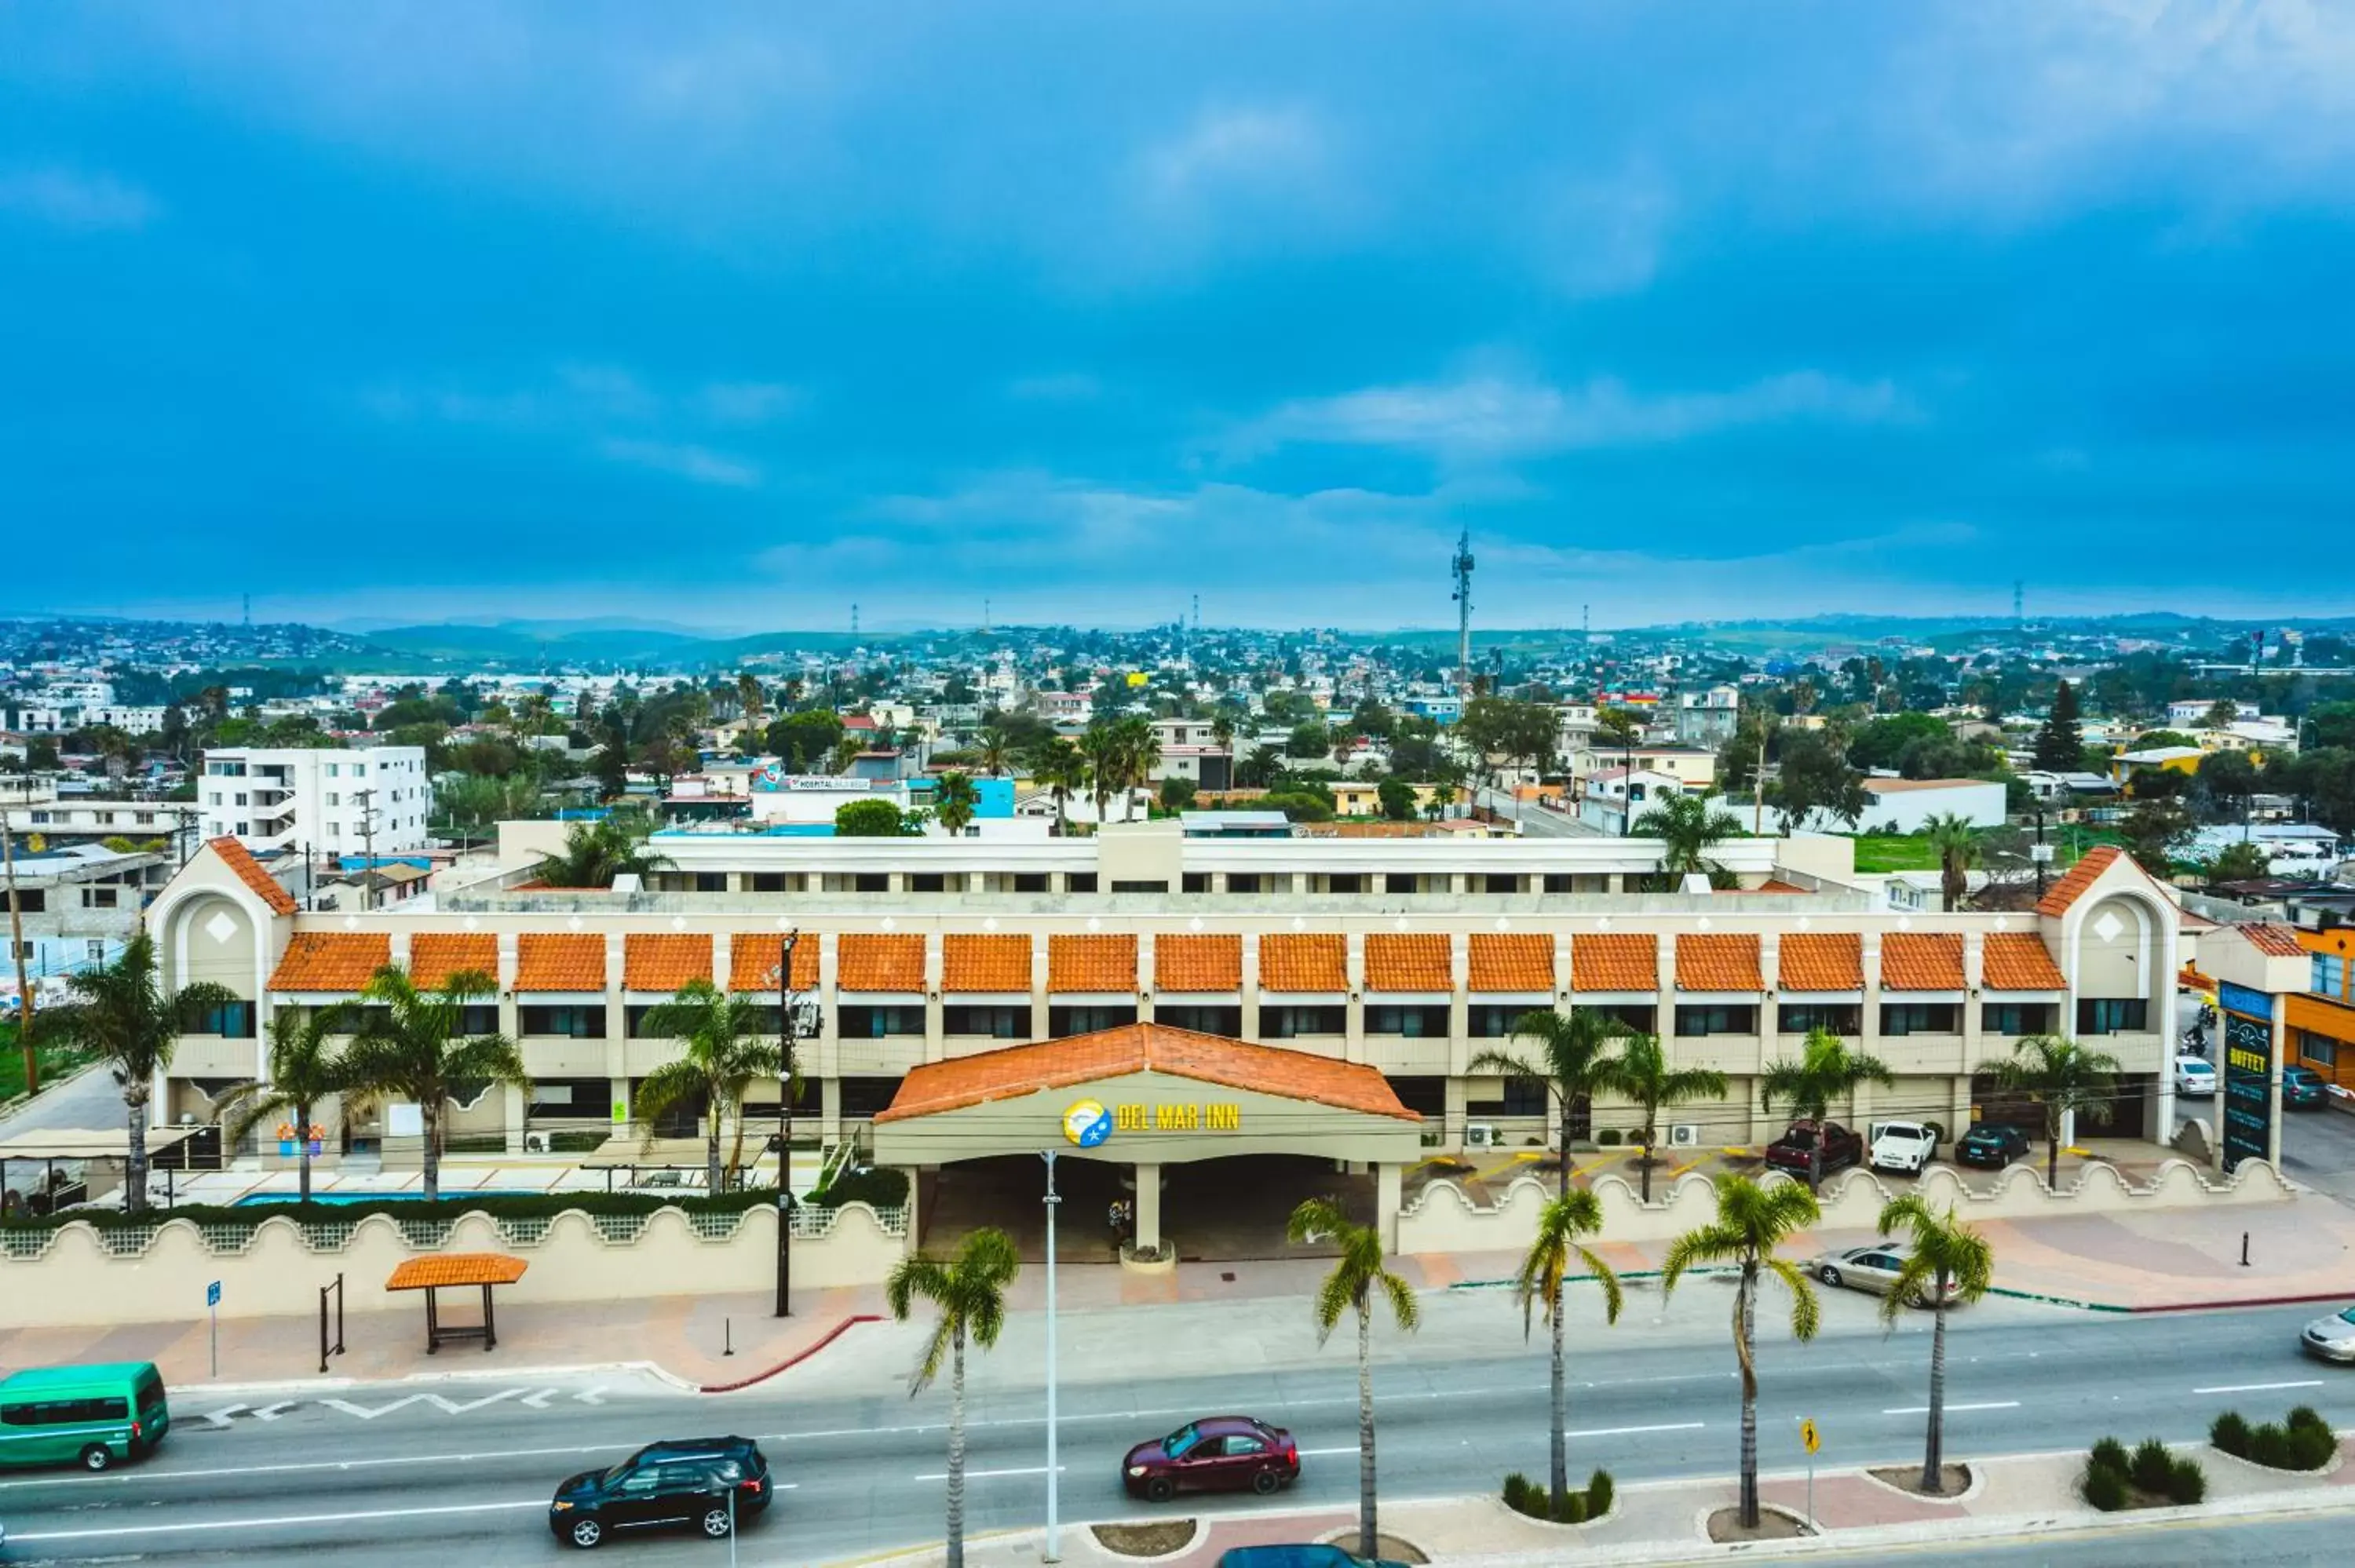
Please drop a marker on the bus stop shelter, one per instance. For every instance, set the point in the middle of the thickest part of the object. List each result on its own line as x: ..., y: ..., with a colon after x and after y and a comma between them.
x: 457, y: 1270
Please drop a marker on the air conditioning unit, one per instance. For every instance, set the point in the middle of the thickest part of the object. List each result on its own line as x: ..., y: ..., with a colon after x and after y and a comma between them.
x: 1684, y: 1134
x: 1482, y: 1135
x: 535, y: 1143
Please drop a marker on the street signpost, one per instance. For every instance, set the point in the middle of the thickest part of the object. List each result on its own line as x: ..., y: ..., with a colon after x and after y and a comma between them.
x: 212, y: 1310
x: 1813, y: 1440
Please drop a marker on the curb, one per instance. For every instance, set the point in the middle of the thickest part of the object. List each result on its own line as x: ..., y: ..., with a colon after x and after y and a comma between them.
x: 479, y: 1374
x: 2238, y: 1303
x: 797, y: 1358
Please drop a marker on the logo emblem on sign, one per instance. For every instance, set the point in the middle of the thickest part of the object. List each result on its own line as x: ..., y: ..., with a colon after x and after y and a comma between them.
x: 1087, y: 1123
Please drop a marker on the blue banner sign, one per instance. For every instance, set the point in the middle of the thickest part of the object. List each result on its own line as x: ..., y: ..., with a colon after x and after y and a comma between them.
x: 2239, y: 999
x: 2248, y: 1084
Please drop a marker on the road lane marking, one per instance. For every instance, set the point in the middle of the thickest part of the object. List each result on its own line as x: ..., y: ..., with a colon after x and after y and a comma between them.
x: 2258, y: 1387
x: 1308, y: 1453
x: 278, y: 1522
x: 1629, y: 1431
x: 149, y: 1472
x: 1951, y: 1409
x: 983, y: 1474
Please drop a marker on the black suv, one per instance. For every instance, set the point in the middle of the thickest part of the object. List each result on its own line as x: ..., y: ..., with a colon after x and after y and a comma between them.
x: 682, y: 1482
x: 1991, y: 1146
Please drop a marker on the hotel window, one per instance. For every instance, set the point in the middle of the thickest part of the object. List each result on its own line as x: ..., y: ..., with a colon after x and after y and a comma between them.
x: 2017, y: 1017
x: 566, y: 1023
x: 1065, y: 1020
x: 1030, y: 882
x: 871, y: 881
x: 1560, y: 882
x: 1702, y: 1019
x: 1346, y: 883
x: 230, y: 1021
x: 2111, y: 1015
x: 1410, y: 1023
x: 1242, y: 882
x: 873, y: 1022
x: 1641, y: 1017
x: 1919, y: 1018
x: 1495, y: 1021
x: 711, y: 882
x: 1083, y: 882
x: 863, y: 1097
x: 1195, y: 882
x: 637, y: 1022
x: 1138, y: 884
x: 478, y: 1018
x: 928, y: 882
x: 577, y: 1099
x: 1290, y: 1023
x: 1210, y: 1020
x: 1844, y: 1017
x: 2329, y: 975
x: 1500, y: 882
x: 2317, y: 1049
x: 1404, y: 882
x: 1425, y: 1094
x: 997, y: 1022
x: 1519, y: 1096
x: 768, y: 882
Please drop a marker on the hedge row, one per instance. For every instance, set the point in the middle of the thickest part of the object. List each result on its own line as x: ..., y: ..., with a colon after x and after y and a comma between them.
x: 2304, y: 1442
x: 1535, y: 1499
x: 2116, y: 1479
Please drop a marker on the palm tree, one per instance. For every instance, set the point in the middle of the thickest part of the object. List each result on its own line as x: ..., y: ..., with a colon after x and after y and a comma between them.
x: 996, y: 751
x: 1358, y: 1276
x: 970, y: 1292
x: 752, y: 699
x: 303, y: 1073
x: 410, y: 1047
x: 1061, y: 766
x: 1752, y: 1223
x: 954, y: 802
x: 1573, y: 1057
x: 1442, y: 795
x: 1688, y: 829
x: 1140, y: 752
x: 594, y: 853
x: 1825, y: 1071
x: 1643, y: 1075
x: 2063, y: 1077
x: 121, y: 1015
x: 1957, y: 842
x: 1560, y: 1224
x: 1948, y: 1257
x: 1107, y: 766
x: 723, y: 1054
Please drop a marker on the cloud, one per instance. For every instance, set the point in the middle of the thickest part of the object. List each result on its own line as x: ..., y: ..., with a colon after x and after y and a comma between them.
x: 1598, y: 238
x: 749, y: 402
x: 1497, y: 416
x: 66, y: 199
x: 1248, y: 146
x: 700, y: 465
x: 1070, y: 386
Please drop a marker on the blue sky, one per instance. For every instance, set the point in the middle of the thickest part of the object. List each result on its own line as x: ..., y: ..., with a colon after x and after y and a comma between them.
x: 733, y: 315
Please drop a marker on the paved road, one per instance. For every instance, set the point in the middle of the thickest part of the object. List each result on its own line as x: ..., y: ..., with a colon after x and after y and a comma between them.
x: 1536, y: 821
x: 2291, y: 1542
x: 383, y: 1477
x: 90, y: 1100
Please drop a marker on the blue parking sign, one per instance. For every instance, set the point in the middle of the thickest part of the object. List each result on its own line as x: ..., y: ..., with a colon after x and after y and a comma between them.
x: 212, y: 1294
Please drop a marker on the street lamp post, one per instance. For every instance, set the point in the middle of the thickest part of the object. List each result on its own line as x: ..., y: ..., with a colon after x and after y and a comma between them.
x: 1053, y: 1553
x: 788, y: 1029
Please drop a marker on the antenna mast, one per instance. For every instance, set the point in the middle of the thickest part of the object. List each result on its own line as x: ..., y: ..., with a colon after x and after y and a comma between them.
x: 1461, y: 566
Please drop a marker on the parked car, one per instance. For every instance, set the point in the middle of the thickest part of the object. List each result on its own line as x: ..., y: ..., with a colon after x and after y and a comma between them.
x: 2195, y: 1077
x: 1790, y: 1152
x: 1315, y: 1554
x: 1873, y: 1268
x: 682, y: 1482
x: 1218, y: 1453
x: 2303, y: 1089
x: 2332, y: 1339
x: 1991, y: 1145
x: 1907, y: 1146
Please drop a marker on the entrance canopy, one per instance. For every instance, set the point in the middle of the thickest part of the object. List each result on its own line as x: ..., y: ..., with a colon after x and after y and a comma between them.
x: 1148, y: 1095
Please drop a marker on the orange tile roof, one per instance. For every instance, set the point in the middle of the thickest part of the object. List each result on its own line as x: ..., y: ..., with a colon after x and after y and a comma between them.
x: 1511, y: 961
x: 881, y: 961
x: 1922, y: 960
x: 435, y: 956
x: 753, y: 957
x: 331, y: 960
x: 2018, y: 961
x: 971, y: 961
x: 1726, y: 962
x: 1021, y: 1070
x: 2275, y: 940
x: 2072, y: 886
x: 240, y: 859
x: 1090, y: 964
x: 1411, y: 962
x: 456, y: 1268
x: 664, y: 961
x: 559, y: 960
x: 1194, y: 964
x: 1303, y: 962
x: 1821, y: 960
x: 1614, y: 961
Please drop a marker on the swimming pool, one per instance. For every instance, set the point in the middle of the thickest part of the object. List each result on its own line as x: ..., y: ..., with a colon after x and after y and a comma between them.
x: 340, y: 1200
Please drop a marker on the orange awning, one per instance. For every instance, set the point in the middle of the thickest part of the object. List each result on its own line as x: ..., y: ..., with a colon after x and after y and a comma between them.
x: 445, y: 1269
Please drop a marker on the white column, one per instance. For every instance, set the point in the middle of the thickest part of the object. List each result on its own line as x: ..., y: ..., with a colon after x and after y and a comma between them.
x: 1386, y: 1202
x: 1148, y: 1207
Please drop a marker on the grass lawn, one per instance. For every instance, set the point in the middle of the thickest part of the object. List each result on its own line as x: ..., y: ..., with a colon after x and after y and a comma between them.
x: 54, y: 1064
x: 1888, y: 852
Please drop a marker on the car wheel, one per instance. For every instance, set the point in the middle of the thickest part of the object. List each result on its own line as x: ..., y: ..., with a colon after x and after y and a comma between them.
x: 587, y: 1533
x: 1828, y: 1275
x: 96, y: 1457
x: 1266, y: 1482
x: 717, y: 1525
x: 1160, y: 1489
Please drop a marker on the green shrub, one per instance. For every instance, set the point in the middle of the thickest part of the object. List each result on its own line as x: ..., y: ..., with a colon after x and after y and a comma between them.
x: 881, y: 1187
x: 2188, y: 1484
x: 1517, y: 1492
x: 2109, y: 1453
x: 2105, y: 1487
x: 1600, y: 1490
x: 2270, y: 1445
x: 1608, y: 1138
x: 1573, y: 1510
x: 2152, y: 1468
x: 2230, y: 1433
x: 576, y: 1142
x: 2306, y: 1415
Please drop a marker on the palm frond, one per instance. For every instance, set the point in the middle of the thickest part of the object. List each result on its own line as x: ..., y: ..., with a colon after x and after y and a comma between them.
x: 1404, y: 1308
x: 1807, y: 1308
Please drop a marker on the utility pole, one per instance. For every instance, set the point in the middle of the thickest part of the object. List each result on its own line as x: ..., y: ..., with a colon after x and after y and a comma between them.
x: 788, y: 1031
x: 1758, y: 786
x: 1053, y: 1553
x: 1461, y: 568
x: 16, y: 946
x: 367, y: 798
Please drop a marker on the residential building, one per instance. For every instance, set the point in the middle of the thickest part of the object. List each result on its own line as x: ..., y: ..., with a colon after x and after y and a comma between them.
x: 1906, y: 805
x: 1708, y: 718
x: 77, y: 905
x: 337, y: 803
x: 1612, y: 794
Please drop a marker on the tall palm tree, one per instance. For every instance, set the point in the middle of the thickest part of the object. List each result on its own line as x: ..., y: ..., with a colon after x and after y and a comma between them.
x: 1107, y: 766
x: 1827, y: 1070
x: 1573, y: 1056
x: 1688, y: 829
x: 1358, y: 1275
x: 1641, y: 1073
x: 1560, y: 1224
x: 1752, y: 1223
x: 410, y: 1047
x: 752, y: 699
x: 1957, y: 842
x: 723, y: 1054
x: 122, y: 1015
x: 2062, y: 1076
x: 1063, y: 769
x: 970, y: 1291
x: 1140, y: 752
x: 996, y: 751
x: 304, y: 1072
x: 954, y: 802
x: 594, y: 853
x: 1948, y: 1257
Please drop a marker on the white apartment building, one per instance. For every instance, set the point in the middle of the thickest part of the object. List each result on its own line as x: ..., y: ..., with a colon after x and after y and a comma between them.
x: 336, y: 801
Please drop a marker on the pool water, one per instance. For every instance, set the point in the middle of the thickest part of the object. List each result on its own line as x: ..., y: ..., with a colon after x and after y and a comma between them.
x: 339, y: 1200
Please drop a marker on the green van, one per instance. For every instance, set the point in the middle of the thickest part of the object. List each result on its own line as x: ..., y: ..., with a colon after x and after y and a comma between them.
x: 89, y: 1416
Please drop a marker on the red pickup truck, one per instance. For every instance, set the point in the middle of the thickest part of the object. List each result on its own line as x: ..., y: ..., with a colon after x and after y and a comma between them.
x: 1791, y: 1151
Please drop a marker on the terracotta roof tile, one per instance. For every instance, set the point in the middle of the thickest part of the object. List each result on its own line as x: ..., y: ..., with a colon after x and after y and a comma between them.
x: 1021, y: 1070
x: 1410, y: 962
x: 1614, y: 961
x: 1195, y: 964
x: 881, y: 961
x: 2072, y: 886
x: 1821, y: 960
x: 240, y: 859
x: 2018, y: 961
x: 971, y: 961
x: 1922, y: 960
x: 1098, y: 963
x: 1303, y: 962
x: 443, y: 1268
x: 331, y: 960
x: 2275, y: 940
x: 1726, y: 962
x: 753, y: 957
x: 559, y: 960
x: 1511, y: 961
x: 435, y: 956
x: 664, y: 961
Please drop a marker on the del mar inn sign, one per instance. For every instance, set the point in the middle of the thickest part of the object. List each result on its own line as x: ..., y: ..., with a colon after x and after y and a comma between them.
x: 1088, y: 1123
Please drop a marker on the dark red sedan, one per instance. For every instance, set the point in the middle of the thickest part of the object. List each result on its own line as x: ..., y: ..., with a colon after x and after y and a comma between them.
x: 1218, y: 1453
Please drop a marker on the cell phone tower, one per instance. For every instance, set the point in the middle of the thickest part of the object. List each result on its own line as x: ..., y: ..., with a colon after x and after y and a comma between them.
x: 1461, y: 566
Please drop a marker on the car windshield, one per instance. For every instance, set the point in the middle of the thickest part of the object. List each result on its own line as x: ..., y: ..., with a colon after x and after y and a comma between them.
x: 2348, y: 1316
x: 1180, y: 1442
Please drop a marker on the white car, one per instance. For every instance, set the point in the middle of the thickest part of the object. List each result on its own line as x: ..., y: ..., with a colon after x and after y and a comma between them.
x: 2195, y: 1077
x: 1906, y: 1145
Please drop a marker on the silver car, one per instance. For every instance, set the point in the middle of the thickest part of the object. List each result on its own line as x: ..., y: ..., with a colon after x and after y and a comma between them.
x: 1873, y: 1268
x: 2332, y: 1338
